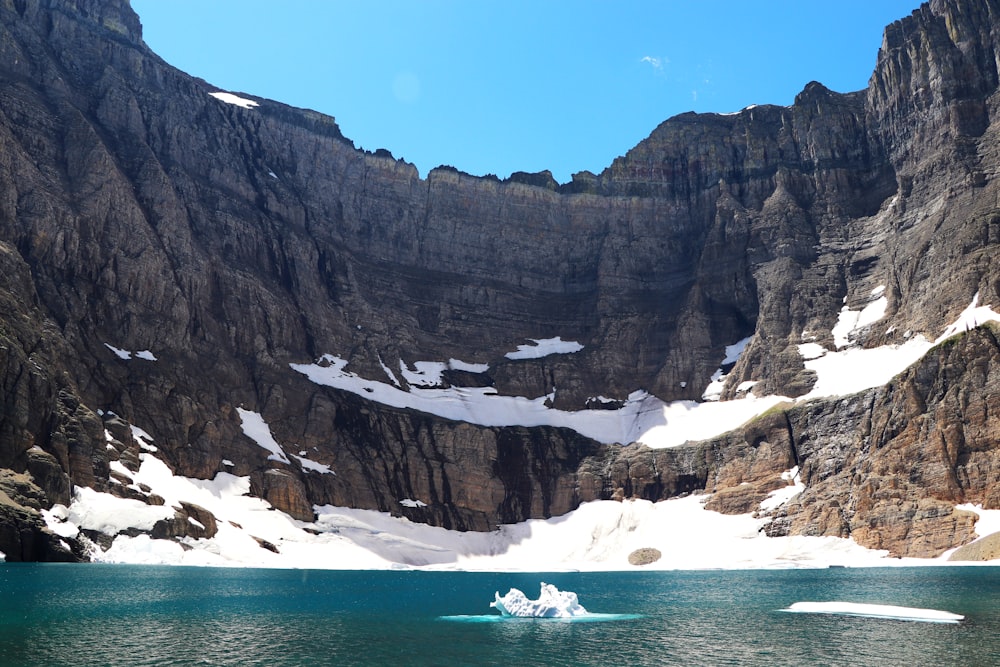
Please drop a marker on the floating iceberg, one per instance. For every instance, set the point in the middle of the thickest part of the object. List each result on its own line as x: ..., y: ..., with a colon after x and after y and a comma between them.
x: 875, y: 611
x: 551, y: 603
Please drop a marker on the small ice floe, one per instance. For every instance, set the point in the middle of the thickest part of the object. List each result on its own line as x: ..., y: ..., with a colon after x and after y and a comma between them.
x: 875, y: 611
x: 551, y: 603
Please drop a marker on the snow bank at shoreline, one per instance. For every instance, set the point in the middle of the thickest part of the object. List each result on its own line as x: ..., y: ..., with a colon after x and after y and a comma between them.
x: 598, y: 536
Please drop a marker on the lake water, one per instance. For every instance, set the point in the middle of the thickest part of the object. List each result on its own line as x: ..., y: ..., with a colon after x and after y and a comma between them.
x: 147, y: 615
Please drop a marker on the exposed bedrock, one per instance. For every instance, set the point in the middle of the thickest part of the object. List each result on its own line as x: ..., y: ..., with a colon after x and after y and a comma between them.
x: 886, y: 466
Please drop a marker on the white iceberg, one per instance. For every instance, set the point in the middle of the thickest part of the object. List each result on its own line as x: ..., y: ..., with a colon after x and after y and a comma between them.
x: 551, y: 603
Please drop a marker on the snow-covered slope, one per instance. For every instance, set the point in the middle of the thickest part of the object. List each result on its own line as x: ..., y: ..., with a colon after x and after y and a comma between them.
x: 599, y: 535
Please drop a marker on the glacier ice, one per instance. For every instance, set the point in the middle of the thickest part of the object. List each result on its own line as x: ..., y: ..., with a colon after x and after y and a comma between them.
x: 551, y: 603
x: 875, y: 611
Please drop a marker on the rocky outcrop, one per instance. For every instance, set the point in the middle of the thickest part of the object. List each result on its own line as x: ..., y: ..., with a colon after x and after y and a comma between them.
x: 189, y: 520
x: 983, y: 549
x: 23, y: 533
x: 885, y: 467
x: 929, y: 441
x: 644, y: 556
x: 140, y: 214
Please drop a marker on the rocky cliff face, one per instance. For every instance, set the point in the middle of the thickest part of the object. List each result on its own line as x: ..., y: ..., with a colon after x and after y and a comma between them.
x: 167, y: 256
x: 886, y: 466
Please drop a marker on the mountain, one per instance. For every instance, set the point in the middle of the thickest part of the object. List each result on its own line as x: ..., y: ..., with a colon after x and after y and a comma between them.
x: 225, y: 284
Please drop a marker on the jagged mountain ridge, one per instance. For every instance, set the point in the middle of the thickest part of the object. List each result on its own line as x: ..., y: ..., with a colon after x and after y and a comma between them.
x: 139, y: 211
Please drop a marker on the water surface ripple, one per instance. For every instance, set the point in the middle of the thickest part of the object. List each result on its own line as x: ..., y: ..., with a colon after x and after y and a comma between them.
x: 144, y: 615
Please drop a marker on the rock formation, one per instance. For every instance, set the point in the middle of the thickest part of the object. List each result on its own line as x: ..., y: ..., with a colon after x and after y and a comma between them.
x: 166, y: 256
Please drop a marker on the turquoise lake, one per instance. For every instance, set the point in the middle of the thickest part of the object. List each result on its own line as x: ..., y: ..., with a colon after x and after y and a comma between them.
x: 149, y: 615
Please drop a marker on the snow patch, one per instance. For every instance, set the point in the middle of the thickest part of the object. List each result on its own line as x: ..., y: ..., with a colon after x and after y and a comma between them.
x: 603, y: 400
x: 850, y: 322
x: 144, y: 439
x: 543, y: 347
x: 109, y: 514
x: 425, y: 373
x: 229, y: 98
x: 119, y: 467
x: 388, y: 372
x: 120, y: 353
x: 255, y: 428
x: 970, y: 318
x: 314, y: 466
x: 713, y: 392
x: 642, y: 417
x: 811, y: 351
x: 126, y: 355
x: 459, y: 365
x: 856, y: 369
x: 409, y: 502
x: 671, y: 424
x: 57, y: 520
x: 779, y: 497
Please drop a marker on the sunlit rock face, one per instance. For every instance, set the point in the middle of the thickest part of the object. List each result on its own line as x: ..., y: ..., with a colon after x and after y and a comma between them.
x: 169, y: 257
x: 886, y: 466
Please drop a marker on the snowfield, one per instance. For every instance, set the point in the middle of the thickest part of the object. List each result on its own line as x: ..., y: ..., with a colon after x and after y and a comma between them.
x: 644, y: 418
x: 597, y: 536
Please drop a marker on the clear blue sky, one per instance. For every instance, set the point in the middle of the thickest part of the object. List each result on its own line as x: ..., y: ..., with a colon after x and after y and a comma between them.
x: 493, y: 86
